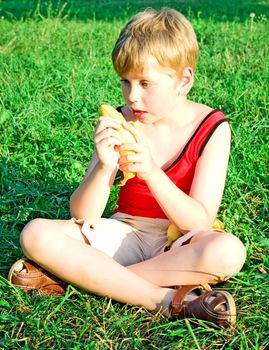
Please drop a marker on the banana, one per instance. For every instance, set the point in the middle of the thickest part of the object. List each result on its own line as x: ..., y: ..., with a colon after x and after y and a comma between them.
x: 217, y: 225
x: 126, y: 136
x: 173, y: 232
x: 110, y: 111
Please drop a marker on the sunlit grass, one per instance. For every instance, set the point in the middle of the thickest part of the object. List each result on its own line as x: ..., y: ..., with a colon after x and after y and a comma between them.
x: 55, y: 70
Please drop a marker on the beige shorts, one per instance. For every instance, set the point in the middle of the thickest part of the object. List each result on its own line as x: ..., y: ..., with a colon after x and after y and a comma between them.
x: 130, y: 239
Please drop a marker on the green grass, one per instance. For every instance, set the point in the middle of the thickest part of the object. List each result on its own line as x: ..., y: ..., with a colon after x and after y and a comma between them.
x: 55, y: 70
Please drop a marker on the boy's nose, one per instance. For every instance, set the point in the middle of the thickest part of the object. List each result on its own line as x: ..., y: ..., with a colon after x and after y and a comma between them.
x: 134, y: 94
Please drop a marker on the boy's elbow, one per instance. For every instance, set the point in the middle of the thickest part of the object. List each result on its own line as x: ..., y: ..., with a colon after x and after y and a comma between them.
x: 198, y: 225
x: 204, y: 222
x: 81, y: 212
x: 73, y: 208
x: 206, y: 218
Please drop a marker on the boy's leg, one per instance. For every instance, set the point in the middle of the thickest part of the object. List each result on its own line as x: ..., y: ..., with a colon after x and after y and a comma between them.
x: 59, y: 247
x: 210, y: 257
x: 53, y: 245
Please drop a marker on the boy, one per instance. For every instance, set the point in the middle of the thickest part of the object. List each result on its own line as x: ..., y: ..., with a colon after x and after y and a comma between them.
x: 179, y: 144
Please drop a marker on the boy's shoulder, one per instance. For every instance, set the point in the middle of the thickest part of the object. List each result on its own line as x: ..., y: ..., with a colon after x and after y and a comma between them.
x: 200, y: 110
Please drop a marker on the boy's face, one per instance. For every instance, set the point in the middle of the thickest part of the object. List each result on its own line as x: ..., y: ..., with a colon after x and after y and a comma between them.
x: 153, y: 93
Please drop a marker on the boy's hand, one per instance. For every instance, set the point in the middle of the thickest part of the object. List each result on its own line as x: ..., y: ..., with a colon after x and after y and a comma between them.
x: 106, y: 139
x: 141, y: 161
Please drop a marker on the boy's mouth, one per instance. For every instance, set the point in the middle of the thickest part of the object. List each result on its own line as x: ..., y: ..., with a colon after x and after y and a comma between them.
x: 138, y: 113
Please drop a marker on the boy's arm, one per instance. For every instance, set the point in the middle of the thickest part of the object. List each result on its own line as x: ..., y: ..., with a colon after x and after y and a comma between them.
x: 89, y: 199
x: 200, y: 207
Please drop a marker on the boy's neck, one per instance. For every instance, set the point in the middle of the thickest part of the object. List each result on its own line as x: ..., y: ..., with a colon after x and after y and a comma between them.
x: 181, y: 115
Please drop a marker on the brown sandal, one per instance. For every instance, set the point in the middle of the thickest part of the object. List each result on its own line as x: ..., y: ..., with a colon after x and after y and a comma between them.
x: 204, y: 307
x: 29, y: 276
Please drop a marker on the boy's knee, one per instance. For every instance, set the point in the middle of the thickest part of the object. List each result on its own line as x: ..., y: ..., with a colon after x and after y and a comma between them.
x: 224, y: 254
x: 31, y: 236
x: 232, y: 254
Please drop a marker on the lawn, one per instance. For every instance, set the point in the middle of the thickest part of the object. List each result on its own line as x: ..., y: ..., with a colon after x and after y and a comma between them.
x: 55, y: 71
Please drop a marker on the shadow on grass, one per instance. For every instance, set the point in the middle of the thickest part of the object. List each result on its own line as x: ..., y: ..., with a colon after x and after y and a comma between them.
x: 225, y: 10
x: 24, y: 197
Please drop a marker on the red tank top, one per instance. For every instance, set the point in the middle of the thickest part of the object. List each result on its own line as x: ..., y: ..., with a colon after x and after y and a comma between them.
x: 135, y: 197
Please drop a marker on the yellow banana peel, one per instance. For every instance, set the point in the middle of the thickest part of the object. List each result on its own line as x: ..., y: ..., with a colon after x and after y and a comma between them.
x: 126, y: 136
x: 110, y: 111
x: 217, y: 225
x: 173, y: 232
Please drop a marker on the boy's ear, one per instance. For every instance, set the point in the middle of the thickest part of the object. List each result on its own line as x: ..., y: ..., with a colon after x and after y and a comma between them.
x: 186, y: 81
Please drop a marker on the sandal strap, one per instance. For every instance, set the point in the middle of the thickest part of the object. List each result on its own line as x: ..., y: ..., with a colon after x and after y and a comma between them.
x: 178, y: 301
x: 30, y: 267
x: 182, y: 292
x: 217, y: 300
x: 35, y: 278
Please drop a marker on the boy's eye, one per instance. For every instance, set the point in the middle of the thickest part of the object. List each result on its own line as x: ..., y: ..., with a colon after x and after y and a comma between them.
x: 145, y: 84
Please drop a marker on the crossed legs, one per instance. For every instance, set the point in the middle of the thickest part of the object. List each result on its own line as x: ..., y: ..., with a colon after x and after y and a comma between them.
x: 211, y: 257
x: 59, y: 247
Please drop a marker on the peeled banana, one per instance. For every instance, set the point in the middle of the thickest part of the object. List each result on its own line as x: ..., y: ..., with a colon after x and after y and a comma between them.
x: 126, y: 136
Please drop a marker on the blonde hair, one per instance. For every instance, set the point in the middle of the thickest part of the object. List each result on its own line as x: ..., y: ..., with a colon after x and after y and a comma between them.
x: 165, y: 34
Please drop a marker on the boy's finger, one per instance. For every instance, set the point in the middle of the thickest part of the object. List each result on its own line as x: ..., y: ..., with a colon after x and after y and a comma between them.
x: 107, y: 122
x: 107, y: 132
x: 136, y: 147
x: 133, y: 130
